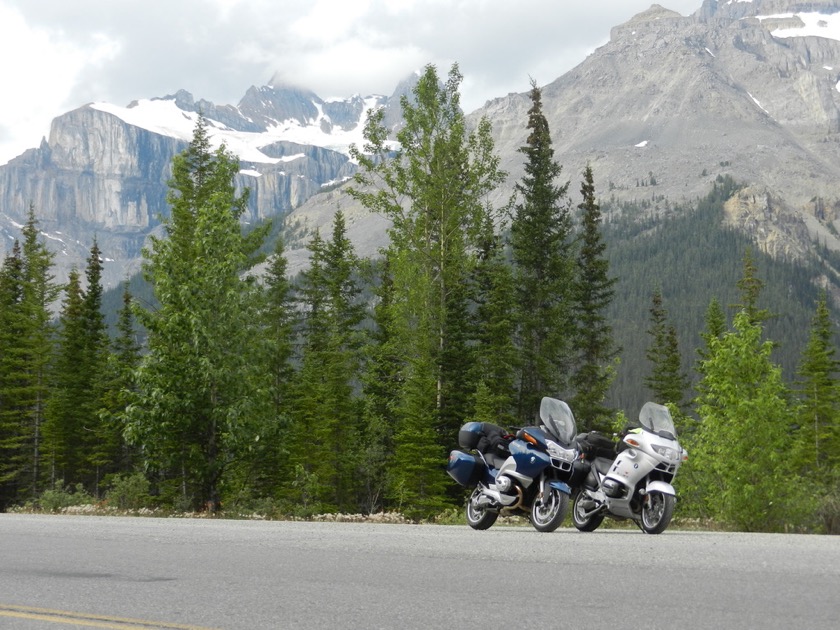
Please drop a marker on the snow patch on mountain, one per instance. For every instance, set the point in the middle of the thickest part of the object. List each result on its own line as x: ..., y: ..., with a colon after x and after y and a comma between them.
x: 164, y: 117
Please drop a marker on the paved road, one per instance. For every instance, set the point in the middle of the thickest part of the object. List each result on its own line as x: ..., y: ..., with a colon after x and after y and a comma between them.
x: 57, y: 572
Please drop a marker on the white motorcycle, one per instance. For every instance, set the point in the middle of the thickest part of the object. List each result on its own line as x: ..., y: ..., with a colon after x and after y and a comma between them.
x: 636, y: 485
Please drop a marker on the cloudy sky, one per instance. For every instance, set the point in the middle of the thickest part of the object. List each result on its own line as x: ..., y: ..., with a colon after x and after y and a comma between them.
x: 58, y: 54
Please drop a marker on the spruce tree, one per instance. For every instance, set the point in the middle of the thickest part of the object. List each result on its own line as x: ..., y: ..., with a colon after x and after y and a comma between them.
x: 36, y: 348
x: 496, y: 357
x: 14, y: 433
x: 266, y: 468
x: 593, y: 293
x: 819, y: 391
x: 666, y: 381
x: 118, y: 390
x: 69, y: 410
x: 384, y: 361
x: 327, y: 418
x: 544, y: 268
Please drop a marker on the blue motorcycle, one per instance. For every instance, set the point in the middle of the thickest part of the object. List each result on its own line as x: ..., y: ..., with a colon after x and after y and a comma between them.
x: 530, y: 473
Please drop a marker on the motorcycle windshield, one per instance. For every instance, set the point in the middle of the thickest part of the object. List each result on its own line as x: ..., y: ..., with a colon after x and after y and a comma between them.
x: 558, y: 419
x: 657, y: 418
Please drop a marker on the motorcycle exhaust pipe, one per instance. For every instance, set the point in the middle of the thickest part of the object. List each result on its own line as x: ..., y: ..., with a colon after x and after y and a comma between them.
x: 494, y: 497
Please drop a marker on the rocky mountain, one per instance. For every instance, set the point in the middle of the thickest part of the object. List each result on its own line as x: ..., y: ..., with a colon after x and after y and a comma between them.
x: 747, y: 89
x: 739, y: 88
x: 104, y: 169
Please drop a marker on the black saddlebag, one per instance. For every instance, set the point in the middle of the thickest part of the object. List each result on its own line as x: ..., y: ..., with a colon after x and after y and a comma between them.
x: 594, y: 444
x: 485, y: 437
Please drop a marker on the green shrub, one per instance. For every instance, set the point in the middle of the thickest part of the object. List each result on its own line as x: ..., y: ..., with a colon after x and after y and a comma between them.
x: 61, y: 496
x: 129, y: 492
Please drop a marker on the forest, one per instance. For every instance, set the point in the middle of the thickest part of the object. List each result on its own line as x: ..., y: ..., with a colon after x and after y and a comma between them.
x: 342, y: 390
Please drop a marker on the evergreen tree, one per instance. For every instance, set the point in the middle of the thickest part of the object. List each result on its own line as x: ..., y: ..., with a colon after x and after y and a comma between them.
x: 327, y: 418
x: 34, y: 349
x: 82, y: 449
x: 819, y: 391
x: 434, y: 191
x: 750, y: 286
x: 496, y: 357
x: 381, y: 384
x: 14, y: 433
x: 201, y: 395
x: 118, y: 390
x: 593, y: 293
x: 540, y: 240
x: 267, y: 467
x: 666, y: 381
x: 69, y: 411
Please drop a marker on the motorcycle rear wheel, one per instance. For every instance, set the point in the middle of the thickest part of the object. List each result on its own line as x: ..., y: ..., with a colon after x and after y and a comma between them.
x: 582, y: 522
x: 657, y: 511
x: 479, y: 517
x: 549, y: 511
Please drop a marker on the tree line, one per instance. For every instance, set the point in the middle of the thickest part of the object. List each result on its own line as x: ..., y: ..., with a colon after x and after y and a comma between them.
x: 343, y: 389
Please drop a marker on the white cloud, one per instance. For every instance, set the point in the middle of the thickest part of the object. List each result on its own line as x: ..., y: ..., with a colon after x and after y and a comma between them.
x: 39, y: 72
x: 58, y: 55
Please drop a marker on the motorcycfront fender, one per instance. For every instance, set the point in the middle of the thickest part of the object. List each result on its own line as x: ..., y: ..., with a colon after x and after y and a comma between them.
x: 559, y: 485
x: 660, y: 486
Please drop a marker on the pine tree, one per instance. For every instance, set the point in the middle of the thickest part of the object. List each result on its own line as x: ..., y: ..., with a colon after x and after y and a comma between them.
x: 819, y: 391
x: 35, y: 346
x: 66, y: 429
x: 384, y: 362
x: 327, y: 420
x: 593, y: 294
x: 201, y: 396
x: 666, y: 381
x: 266, y: 467
x: 750, y: 286
x: 540, y: 241
x: 118, y: 390
x: 14, y: 433
x: 495, y: 364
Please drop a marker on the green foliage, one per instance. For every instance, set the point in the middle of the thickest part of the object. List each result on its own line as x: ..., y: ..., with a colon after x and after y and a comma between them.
x: 742, y: 445
x: 199, y: 397
x: 666, y: 380
x: 543, y: 261
x: 62, y: 496
x: 593, y: 293
x: 434, y: 190
x: 129, y: 492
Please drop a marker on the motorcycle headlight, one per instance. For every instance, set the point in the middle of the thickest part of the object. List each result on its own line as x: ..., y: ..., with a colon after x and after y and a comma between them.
x: 666, y: 451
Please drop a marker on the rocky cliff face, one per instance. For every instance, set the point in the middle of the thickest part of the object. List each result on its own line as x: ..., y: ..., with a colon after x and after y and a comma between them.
x: 747, y: 89
x: 671, y: 102
x: 104, y: 170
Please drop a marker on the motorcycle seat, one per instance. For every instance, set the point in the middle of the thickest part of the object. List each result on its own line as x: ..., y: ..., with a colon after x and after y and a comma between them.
x: 602, y: 464
x: 493, y: 460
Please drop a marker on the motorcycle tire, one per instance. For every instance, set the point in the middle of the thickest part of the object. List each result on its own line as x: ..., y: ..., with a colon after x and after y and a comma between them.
x: 579, y: 518
x: 479, y: 517
x: 657, y: 511
x: 548, y: 512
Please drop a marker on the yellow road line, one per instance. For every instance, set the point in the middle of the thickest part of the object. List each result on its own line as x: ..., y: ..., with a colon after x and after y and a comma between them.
x: 91, y: 621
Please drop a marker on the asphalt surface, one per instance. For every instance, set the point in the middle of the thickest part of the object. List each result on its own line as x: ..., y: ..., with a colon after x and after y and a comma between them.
x: 107, y: 572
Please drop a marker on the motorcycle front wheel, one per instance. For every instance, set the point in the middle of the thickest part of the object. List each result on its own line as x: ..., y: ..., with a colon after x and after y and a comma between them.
x: 479, y: 517
x: 657, y: 511
x: 580, y: 520
x: 547, y: 512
